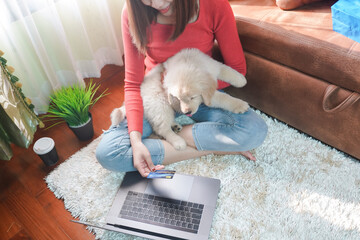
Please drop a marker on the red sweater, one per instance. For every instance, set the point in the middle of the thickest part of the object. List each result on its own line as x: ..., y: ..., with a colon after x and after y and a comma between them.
x: 215, y: 22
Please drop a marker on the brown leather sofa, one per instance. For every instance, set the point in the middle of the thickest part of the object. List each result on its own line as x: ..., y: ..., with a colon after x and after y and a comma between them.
x: 300, y: 71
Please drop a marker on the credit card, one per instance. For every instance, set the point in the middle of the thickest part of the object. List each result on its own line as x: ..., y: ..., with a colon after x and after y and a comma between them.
x: 167, y: 174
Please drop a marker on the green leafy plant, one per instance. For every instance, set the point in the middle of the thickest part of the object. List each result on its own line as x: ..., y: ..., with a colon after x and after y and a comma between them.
x: 72, y: 104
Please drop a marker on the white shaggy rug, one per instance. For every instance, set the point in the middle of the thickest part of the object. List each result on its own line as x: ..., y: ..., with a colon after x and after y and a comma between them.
x: 299, y: 188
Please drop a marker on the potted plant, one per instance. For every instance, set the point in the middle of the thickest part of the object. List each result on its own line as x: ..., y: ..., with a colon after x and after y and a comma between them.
x: 72, y: 105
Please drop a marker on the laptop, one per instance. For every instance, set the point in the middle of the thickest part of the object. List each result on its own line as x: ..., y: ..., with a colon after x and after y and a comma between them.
x: 179, y: 208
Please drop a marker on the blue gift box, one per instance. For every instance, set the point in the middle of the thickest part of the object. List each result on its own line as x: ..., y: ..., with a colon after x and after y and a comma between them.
x: 346, y: 18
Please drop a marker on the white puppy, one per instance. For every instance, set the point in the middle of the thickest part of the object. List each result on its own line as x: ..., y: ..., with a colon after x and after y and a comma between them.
x: 190, y: 78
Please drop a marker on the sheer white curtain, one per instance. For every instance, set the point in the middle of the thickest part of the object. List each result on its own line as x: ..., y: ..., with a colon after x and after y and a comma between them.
x: 53, y: 43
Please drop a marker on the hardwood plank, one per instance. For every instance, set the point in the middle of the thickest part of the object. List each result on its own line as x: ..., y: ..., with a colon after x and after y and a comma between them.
x: 7, y: 178
x: 9, y: 225
x: 32, y: 215
x: 107, y: 73
x: 57, y: 211
x: 22, y: 235
x: 22, y: 168
x: 27, y: 165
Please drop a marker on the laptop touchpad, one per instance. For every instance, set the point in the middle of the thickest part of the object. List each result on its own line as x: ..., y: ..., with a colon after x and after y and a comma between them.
x: 177, y: 188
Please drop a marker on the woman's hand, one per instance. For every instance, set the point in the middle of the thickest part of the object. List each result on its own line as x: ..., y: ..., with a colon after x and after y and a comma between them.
x: 141, y: 155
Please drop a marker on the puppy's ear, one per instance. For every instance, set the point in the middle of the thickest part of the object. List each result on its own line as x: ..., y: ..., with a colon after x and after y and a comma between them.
x: 209, y: 86
x: 170, y: 98
x: 174, y: 102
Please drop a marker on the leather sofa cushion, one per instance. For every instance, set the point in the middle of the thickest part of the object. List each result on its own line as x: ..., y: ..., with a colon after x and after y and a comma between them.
x: 298, y: 100
x: 292, y: 4
x: 300, y: 39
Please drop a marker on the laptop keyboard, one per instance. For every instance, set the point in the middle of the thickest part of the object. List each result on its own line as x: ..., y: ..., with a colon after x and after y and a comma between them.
x: 160, y: 211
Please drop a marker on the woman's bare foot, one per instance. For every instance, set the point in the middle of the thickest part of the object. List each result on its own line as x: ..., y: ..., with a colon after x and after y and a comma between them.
x: 246, y: 154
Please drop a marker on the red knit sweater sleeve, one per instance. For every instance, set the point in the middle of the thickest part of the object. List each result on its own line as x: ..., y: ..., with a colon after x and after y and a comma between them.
x: 134, y: 75
x: 227, y: 36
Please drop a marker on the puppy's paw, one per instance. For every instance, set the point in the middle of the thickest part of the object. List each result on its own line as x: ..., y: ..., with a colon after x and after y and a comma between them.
x: 232, y: 76
x: 178, y: 143
x: 240, y: 106
x: 176, y: 127
x: 239, y: 81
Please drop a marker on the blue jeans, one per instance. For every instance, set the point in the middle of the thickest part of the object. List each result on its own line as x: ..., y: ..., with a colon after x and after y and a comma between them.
x: 215, y: 129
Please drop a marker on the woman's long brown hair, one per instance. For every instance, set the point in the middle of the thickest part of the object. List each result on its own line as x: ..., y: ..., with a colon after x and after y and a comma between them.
x: 141, y: 16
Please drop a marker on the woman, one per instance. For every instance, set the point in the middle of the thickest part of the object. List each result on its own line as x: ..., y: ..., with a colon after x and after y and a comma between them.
x: 153, y: 31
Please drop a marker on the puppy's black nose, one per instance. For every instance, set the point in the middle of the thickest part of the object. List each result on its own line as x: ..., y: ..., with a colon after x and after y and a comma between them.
x: 188, y: 113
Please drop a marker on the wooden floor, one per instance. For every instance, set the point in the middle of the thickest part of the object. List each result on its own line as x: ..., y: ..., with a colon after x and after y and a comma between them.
x: 28, y: 209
